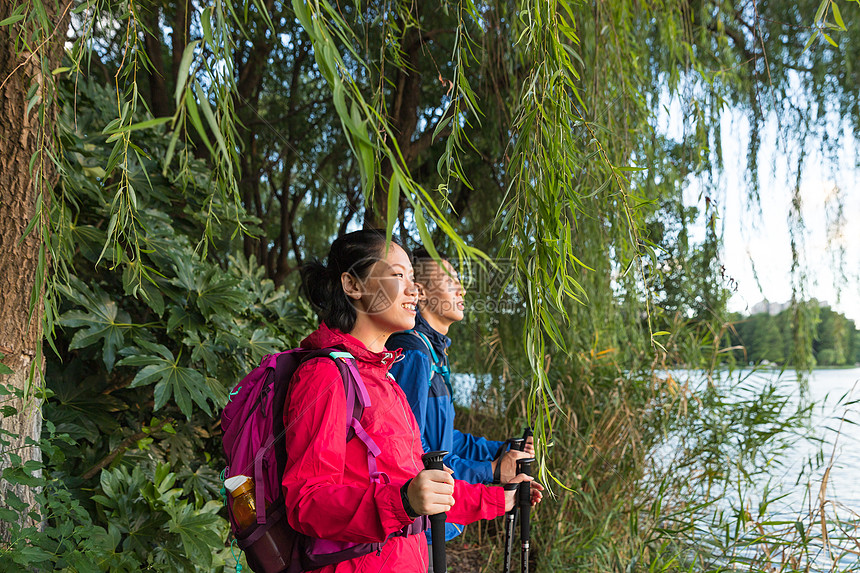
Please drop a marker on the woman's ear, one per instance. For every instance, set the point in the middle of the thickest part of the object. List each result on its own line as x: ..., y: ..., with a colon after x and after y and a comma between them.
x: 351, y: 286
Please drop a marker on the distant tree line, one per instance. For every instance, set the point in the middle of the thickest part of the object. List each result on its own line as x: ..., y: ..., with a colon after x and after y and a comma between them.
x: 772, y: 338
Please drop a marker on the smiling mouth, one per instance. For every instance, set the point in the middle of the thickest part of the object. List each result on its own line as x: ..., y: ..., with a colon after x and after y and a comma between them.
x: 410, y: 306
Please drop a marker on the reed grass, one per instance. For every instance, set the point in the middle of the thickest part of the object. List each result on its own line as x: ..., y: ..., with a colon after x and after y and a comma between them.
x: 667, y: 473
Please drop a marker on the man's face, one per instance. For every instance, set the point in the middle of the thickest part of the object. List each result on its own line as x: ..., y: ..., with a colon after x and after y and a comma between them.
x: 439, y: 290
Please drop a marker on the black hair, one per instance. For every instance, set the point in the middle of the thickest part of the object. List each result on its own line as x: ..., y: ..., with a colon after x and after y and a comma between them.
x: 353, y: 253
x: 422, y: 255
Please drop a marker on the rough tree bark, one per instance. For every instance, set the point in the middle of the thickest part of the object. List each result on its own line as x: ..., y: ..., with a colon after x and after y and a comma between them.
x: 21, y: 135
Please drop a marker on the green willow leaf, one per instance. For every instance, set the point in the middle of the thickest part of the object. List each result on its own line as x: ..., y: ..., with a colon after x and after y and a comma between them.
x: 182, y: 73
x: 12, y: 19
x: 837, y: 16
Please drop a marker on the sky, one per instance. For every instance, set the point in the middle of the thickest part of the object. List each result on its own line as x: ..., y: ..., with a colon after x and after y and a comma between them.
x: 760, y: 240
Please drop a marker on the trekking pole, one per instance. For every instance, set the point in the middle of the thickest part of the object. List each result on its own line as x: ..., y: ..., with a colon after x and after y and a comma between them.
x: 524, y: 495
x: 433, y: 461
x: 511, y: 516
x: 510, y: 524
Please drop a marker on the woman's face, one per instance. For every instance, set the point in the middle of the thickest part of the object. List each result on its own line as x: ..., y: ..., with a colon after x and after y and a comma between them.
x: 386, y: 298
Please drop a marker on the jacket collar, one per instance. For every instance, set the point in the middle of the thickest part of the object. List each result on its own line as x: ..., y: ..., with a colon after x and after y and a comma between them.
x: 325, y: 337
x: 437, y: 339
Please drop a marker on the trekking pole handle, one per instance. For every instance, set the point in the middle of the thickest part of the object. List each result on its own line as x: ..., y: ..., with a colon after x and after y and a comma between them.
x: 524, y: 495
x: 433, y: 461
x: 524, y: 466
x: 527, y: 433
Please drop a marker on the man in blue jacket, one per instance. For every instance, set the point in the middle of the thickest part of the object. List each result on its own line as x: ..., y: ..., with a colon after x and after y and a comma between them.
x: 424, y: 376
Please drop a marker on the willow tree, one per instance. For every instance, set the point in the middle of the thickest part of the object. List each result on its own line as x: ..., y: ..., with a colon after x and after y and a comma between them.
x: 27, y: 148
x: 524, y: 131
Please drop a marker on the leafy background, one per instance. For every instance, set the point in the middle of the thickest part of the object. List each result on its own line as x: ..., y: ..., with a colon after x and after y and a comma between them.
x: 207, y: 150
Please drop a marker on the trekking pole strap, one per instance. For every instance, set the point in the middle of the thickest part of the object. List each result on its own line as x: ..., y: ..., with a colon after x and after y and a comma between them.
x: 497, y: 472
x: 515, y: 444
x: 527, y: 433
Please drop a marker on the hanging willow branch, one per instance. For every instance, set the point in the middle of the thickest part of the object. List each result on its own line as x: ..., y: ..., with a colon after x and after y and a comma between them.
x: 368, y: 132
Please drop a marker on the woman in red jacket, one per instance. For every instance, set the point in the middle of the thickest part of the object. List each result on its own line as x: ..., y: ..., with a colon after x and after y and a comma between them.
x: 363, y: 294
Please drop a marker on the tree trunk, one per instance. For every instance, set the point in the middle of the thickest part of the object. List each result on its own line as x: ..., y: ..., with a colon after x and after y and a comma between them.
x: 21, y: 136
x: 403, y: 119
x: 158, y: 100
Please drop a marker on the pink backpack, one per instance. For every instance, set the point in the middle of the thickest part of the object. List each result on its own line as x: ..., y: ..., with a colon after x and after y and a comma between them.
x: 254, y: 445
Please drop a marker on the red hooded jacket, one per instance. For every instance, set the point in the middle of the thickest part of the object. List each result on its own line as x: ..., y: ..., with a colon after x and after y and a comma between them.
x: 326, y: 485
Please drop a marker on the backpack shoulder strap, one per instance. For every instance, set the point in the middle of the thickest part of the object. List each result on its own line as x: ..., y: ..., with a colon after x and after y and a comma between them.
x: 435, y: 366
x: 357, y: 399
x: 426, y: 342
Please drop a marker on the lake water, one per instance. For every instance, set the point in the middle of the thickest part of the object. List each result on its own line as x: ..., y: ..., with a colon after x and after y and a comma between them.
x: 829, y: 447
x: 831, y: 439
x: 835, y: 419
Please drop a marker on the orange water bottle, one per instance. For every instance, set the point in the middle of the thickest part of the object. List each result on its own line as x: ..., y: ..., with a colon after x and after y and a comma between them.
x: 244, y: 508
x: 268, y: 550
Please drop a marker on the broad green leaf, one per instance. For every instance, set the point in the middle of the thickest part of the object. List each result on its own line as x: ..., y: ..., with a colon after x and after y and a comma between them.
x: 153, y: 297
x: 199, y: 533
x: 101, y: 321
x: 15, y: 502
x: 3, y: 368
x: 262, y: 343
x: 23, y: 474
x: 217, y: 294
x: 184, y: 385
x: 204, y: 482
x: 29, y: 555
x: 8, y: 515
x: 181, y: 317
x: 213, y: 291
x: 202, y: 350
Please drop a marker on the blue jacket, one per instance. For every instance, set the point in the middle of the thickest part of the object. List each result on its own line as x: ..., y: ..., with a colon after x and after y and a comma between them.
x: 427, y: 386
